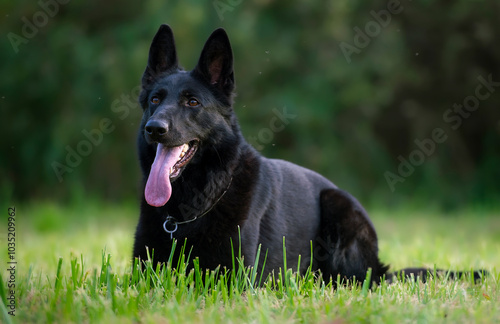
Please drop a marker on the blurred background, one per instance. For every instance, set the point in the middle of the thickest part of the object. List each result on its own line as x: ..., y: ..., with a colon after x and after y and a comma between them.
x: 367, y: 83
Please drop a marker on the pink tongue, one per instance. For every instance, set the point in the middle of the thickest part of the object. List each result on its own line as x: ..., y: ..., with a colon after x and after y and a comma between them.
x: 158, y: 188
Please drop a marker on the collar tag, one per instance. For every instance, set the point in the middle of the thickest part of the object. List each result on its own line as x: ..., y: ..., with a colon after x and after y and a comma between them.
x: 170, y: 222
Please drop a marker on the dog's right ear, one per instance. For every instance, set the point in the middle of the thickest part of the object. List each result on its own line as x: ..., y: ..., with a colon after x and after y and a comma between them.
x: 162, y: 56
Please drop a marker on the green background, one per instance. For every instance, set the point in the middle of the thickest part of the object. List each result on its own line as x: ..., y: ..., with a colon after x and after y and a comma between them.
x: 357, y: 116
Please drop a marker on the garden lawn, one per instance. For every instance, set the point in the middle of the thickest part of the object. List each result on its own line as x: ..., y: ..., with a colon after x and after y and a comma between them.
x: 74, y: 266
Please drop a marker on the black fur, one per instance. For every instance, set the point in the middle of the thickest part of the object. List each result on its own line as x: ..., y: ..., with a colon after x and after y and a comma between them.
x: 266, y: 199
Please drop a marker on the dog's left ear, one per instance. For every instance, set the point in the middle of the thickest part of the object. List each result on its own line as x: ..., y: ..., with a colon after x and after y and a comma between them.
x: 215, y: 65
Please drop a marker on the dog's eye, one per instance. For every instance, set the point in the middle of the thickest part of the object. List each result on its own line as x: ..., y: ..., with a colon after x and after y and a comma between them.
x: 155, y: 100
x: 193, y: 102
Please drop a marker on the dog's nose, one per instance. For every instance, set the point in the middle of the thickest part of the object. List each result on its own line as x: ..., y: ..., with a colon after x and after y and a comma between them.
x: 156, y: 129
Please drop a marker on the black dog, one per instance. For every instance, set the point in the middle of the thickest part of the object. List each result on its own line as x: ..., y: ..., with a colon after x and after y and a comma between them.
x: 205, y: 184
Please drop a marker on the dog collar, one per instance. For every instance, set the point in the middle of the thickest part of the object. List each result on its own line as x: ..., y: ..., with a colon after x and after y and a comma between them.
x: 171, y: 222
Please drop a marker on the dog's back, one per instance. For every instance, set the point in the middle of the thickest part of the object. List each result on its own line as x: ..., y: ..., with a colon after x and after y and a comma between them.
x: 285, y: 204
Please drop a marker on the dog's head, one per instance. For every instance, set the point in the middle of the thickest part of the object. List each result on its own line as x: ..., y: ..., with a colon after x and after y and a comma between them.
x: 183, y: 110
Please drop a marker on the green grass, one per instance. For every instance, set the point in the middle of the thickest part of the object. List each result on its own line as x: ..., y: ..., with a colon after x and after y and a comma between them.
x: 74, y: 265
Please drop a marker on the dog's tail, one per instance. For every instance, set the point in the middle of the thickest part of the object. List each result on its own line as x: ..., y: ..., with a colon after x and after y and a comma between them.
x: 423, y: 274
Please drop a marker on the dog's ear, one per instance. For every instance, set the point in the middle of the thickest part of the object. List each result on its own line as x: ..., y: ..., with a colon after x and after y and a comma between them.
x: 215, y: 65
x: 162, y: 55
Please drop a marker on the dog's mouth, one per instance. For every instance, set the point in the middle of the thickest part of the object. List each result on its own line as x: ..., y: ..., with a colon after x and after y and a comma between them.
x: 167, y: 166
x: 187, y: 153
